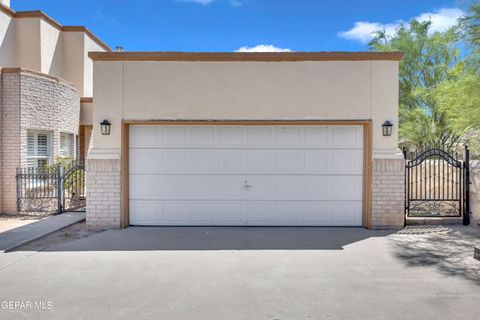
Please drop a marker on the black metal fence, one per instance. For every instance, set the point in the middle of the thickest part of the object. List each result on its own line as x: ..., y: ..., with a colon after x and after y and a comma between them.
x: 437, y: 183
x: 57, y: 188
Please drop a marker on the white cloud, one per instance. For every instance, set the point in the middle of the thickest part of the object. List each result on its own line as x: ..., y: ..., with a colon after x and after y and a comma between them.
x: 442, y: 20
x: 364, y: 31
x: 263, y: 48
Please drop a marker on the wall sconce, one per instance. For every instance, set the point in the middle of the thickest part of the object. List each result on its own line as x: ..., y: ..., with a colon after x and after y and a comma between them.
x: 105, y: 125
x: 387, y: 128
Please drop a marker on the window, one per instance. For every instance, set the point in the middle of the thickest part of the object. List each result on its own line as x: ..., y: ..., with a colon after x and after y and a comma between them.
x: 66, y: 145
x: 38, y: 149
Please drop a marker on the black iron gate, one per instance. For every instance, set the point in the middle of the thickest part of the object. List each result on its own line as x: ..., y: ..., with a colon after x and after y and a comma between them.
x: 57, y: 188
x: 437, y: 184
x: 72, y: 195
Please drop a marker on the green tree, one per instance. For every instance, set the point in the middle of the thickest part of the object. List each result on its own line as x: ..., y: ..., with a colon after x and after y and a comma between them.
x: 428, y: 62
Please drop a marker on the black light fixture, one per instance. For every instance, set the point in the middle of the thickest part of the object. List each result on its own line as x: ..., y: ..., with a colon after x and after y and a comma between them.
x: 387, y: 128
x: 105, y: 125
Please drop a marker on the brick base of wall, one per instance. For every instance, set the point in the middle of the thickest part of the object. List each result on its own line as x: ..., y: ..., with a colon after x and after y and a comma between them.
x: 388, y: 192
x: 103, y: 193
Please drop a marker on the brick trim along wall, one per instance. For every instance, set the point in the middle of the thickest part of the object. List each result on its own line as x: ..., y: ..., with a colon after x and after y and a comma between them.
x: 32, y: 101
x: 388, y: 193
x: 103, y: 193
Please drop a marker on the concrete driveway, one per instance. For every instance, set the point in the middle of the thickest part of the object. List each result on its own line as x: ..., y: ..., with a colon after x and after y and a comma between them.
x: 248, y: 273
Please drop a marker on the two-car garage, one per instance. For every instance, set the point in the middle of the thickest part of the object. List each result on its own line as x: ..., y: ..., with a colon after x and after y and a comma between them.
x: 245, y: 139
x: 245, y: 174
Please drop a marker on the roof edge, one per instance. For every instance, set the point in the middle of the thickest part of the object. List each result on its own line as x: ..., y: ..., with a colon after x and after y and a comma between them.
x: 242, y: 56
x: 54, y: 23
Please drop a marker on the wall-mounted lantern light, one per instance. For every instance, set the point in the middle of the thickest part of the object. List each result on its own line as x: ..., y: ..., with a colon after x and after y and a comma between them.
x: 387, y: 128
x: 105, y: 125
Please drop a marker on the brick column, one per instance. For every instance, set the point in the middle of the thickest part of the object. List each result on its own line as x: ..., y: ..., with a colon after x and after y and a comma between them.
x: 103, y: 193
x: 10, y: 139
x: 388, y: 193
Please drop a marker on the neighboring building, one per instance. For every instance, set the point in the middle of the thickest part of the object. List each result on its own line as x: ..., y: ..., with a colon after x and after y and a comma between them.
x: 245, y: 139
x: 46, y: 93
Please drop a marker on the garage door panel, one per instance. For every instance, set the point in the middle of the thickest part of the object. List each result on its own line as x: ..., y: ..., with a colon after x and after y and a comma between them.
x: 317, y: 161
x: 289, y: 136
x: 231, y: 187
x: 317, y: 187
x: 318, y: 213
x: 346, y: 213
x: 260, y: 136
x: 346, y: 188
x: 203, y: 213
x: 290, y: 187
x: 175, y: 136
x: 230, y: 136
x: 231, y: 213
x: 289, y: 213
x: 246, y: 175
x: 347, y: 161
x: 318, y: 136
x: 289, y: 161
x: 143, y: 137
x: 259, y: 161
x: 203, y: 135
x: 260, y: 213
x: 176, y: 213
x: 347, y: 136
x: 231, y: 161
x: 144, y: 212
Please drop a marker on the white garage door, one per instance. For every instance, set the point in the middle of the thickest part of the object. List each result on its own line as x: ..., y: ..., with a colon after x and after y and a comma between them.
x: 246, y: 175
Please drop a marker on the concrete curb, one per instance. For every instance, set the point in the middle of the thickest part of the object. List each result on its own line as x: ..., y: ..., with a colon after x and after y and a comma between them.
x: 11, y: 239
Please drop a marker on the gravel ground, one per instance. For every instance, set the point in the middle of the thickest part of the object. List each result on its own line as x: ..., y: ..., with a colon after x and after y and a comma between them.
x: 8, y: 222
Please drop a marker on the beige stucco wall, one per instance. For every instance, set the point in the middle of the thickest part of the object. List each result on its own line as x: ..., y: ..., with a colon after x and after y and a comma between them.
x: 51, y: 51
x: 27, y: 44
x: 37, y: 44
x: 89, y: 46
x: 335, y: 90
x: 7, y: 39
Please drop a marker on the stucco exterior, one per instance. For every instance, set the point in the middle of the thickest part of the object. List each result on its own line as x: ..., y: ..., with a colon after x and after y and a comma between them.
x: 342, y: 89
x: 32, y: 101
x: 327, y: 90
x: 32, y: 40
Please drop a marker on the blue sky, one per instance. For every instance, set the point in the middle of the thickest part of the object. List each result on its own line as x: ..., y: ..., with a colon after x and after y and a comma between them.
x: 230, y: 25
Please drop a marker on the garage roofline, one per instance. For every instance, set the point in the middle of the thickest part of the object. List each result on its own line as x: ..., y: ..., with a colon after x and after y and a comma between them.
x: 246, y: 56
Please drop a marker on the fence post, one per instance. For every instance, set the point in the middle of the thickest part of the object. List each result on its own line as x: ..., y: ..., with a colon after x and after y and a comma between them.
x: 59, y: 188
x: 18, y: 189
x: 466, y: 168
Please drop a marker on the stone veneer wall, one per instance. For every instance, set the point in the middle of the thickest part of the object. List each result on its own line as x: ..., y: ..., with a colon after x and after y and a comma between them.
x: 388, y: 193
x: 32, y: 100
x: 103, y: 193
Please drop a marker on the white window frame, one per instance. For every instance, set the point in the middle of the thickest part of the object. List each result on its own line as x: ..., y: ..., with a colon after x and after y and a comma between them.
x: 71, y: 145
x: 32, y: 159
